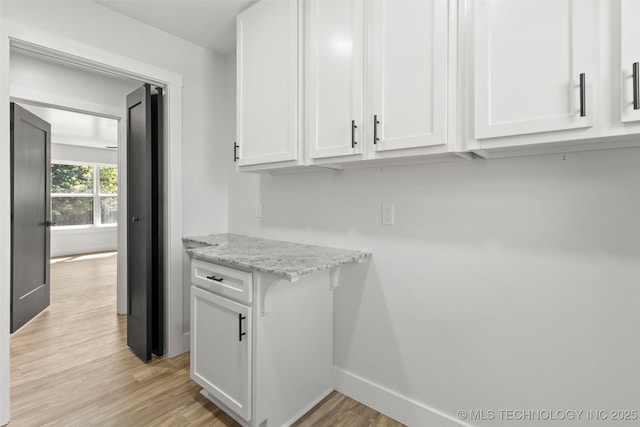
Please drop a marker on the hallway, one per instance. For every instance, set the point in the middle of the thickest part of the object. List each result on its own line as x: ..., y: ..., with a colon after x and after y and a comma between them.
x: 70, y: 365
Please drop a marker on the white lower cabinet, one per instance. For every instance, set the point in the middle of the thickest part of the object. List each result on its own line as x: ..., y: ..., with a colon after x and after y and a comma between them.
x: 268, y: 362
x: 221, y: 349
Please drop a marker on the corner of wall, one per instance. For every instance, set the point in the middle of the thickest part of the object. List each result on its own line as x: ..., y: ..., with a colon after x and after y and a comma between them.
x: 390, y: 403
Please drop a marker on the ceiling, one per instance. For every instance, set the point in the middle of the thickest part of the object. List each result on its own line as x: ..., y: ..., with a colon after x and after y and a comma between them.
x: 207, y: 23
x: 68, y: 127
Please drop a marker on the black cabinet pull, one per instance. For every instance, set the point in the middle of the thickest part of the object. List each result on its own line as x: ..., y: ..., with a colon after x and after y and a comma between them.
x: 135, y: 219
x: 583, y: 100
x: 353, y: 133
x: 215, y: 279
x: 636, y: 86
x: 235, y: 152
x: 240, y: 333
x: 375, y: 129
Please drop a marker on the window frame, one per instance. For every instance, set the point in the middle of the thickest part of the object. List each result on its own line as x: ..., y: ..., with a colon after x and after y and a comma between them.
x: 95, y: 194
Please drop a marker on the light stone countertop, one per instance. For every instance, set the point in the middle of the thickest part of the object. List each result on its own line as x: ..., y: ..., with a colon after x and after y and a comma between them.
x: 287, y: 259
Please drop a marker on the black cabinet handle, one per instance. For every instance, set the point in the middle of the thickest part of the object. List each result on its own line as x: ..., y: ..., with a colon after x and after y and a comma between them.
x: 215, y: 279
x: 135, y: 219
x: 353, y: 133
x: 50, y: 223
x: 636, y: 86
x: 240, y: 333
x: 235, y: 152
x: 375, y: 129
x: 583, y: 100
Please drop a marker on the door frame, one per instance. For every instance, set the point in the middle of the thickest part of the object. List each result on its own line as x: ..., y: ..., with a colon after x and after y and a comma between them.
x: 23, y: 36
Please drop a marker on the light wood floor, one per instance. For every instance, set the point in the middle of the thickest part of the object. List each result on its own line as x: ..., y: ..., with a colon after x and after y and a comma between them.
x: 70, y: 366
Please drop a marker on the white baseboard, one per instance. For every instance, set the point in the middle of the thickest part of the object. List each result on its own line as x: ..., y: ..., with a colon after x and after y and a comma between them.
x: 394, y: 405
x: 186, y: 342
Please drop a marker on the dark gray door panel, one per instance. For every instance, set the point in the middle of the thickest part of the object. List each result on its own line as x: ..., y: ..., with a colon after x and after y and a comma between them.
x: 144, y: 226
x: 30, y: 215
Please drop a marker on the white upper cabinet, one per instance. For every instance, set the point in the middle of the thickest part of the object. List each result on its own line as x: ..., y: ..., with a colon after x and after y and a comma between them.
x: 630, y: 60
x: 334, y: 73
x: 535, y: 66
x: 407, y: 62
x: 337, y: 83
x: 377, y: 79
x: 267, y: 83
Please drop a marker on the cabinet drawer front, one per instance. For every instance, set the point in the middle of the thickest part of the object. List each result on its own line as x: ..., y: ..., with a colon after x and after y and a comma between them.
x: 221, y: 280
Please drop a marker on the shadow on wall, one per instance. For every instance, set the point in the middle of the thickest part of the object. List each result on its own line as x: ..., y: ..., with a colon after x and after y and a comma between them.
x: 506, y: 283
x: 575, y: 202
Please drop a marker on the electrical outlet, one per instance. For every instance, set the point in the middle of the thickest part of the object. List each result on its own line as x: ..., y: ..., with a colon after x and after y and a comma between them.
x: 388, y: 214
x: 258, y: 212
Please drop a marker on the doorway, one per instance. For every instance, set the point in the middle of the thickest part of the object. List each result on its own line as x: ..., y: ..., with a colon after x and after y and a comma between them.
x: 121, y: 66
x: 86, y: 109
x: 81, y: 199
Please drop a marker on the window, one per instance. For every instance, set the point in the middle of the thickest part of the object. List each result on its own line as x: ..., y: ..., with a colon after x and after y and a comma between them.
x: 84, y: 194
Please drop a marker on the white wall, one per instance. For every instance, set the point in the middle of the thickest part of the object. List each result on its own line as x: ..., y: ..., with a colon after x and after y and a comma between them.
x: 86, y: 27
x: 76, y: 153
x: 35, y: 78
x: 203, y: 92
x: 505, y: 284
x: 41, y: 80
x: 204, y: 170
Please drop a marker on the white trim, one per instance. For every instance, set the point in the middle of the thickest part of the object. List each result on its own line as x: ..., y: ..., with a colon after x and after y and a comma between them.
x: 70, y: 50
x: 38, y: 98
x: 70, y: 229
x: 394, y: 405
x: 5, y: 226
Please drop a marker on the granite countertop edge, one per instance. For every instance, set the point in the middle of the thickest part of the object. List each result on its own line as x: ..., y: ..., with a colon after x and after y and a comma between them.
x: 286, y: 259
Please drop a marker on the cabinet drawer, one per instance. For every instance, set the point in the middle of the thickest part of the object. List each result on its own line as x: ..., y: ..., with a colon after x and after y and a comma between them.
x: 225, y: 281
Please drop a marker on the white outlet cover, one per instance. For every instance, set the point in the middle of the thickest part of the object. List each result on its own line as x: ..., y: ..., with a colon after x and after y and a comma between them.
x: 388, y: 214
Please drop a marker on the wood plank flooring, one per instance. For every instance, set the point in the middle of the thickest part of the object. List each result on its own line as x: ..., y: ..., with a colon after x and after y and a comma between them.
x: 70, y: 366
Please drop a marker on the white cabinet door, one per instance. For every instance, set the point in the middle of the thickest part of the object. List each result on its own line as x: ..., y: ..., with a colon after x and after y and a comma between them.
x: 408, y: 66
x: 220, y: 355
x: 529, y: 55
x: 267, y: 73
x: 335, y: 62
x: 629, y: 55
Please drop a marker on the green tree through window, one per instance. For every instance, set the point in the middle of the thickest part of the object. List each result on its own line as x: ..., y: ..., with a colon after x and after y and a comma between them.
x: 108, y: 195
x: 71, y: 179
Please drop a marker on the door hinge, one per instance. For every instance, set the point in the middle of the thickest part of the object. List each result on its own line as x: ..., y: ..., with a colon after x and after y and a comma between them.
x: 235, y: 152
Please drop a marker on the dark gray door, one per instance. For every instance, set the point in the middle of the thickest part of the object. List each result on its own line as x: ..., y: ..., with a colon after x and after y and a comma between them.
x: 144, y: 228
x: 30, y: 215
